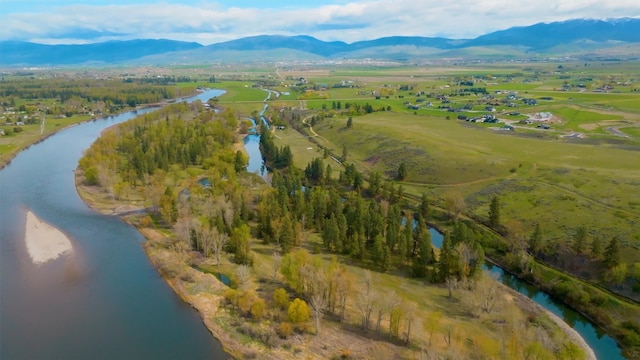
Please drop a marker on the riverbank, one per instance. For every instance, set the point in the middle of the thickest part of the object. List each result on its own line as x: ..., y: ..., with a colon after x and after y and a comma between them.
x: 43, y: 241
x: 177, y: 263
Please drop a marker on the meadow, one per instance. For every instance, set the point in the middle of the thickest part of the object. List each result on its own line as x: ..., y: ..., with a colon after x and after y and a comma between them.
x: 581, y: 171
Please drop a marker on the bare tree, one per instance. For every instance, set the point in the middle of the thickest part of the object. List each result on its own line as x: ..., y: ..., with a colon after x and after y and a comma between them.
x: 204, y: 237
x: 410, y: 314
x: 344, y: 286
x: 455, y: 204
x: 487, y: 291
x: 385, y: 303
x: 107, y: 178
x: 452, y: 284
x: 365, y: 299
x: 277, y: 261
x: 219, y: 240
x: 243, y: 272
x: 318, y: 303
x: 183, y: 228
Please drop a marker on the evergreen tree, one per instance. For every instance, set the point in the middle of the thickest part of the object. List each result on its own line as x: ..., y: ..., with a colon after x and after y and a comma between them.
x: 535, y: 242
x: 240, y: 163
x: 446, y: 262
x: 424, y: 206
x: 287, y: 235
x: 612, y: 253
x: 494, y: 213
x: 596, y: 248
x: 403, y: 171
x: 580, y: 240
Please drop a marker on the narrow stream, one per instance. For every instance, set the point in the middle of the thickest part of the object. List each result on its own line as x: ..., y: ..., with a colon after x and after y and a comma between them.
x: 602, y: 344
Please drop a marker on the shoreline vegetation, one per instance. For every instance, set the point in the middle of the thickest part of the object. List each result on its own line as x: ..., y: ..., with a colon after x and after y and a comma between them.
x: 205, y: 292
x: 193, y: 278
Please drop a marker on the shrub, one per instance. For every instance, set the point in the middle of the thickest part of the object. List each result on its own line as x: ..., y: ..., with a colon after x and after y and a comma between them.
x: 146, y: 221
x: 258, y: 308
x: 298, y: 311
x: 281, y: 298
x: 285, y: 330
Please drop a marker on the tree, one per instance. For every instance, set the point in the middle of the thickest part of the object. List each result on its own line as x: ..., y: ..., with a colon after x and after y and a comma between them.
x: 258, y: 308
x: 281, y: 298
x: 298, y: 311
x: 424, y: 206
x: 318, y: 304
x: 580, y: 240
x: 243, y: 273
x: 240, y: 238
x: 218, y: 242
x: 365, y: 299
x: 455, y: 204
x: 240, y: 162
x: 494, y: 213
x: 535, y: 242
x: 612, y: 253
x: 596, y: 247
x: 403, y: 171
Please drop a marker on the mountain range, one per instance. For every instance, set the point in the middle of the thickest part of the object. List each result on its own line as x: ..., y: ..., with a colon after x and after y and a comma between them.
x: 582, y: 38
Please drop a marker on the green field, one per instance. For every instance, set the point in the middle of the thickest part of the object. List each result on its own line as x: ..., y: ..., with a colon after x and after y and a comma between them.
x: 552, y: 177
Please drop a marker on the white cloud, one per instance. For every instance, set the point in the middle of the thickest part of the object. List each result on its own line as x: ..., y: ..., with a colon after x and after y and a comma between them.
x: 347, y: 21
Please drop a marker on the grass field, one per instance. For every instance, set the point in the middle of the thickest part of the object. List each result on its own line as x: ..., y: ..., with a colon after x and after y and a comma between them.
x: 542, y: 176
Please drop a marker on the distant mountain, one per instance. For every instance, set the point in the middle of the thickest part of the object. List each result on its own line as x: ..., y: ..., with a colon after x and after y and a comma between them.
x: 25, y: 53
x: 543, y: 36
x: 581, y: 37
x: 270, y: 42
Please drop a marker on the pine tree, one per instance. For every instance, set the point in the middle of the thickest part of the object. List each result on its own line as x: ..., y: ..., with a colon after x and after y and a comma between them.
x: 580, y: 240
x: 403, y: 171
x: 535, y: 242
x: 424, y: 206
x: 596, y: 248
x: 612, y: 253
x: 494, y: 213
x: 445, y: 261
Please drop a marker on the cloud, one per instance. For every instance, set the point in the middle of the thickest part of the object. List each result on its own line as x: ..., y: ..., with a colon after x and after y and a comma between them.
x: 344, y: 20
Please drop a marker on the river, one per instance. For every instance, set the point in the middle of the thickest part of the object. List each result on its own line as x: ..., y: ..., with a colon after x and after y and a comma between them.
x: 602, y: 344
x: 105, y: 301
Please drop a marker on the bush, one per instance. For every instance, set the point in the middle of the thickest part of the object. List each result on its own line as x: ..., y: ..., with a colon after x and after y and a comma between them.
x: 298, y: 311
x: 281, y: 298
x: 285, y: 330
x: 146, y: 221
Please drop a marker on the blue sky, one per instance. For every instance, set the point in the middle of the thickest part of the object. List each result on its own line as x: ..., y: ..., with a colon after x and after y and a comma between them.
x: 208, y: 21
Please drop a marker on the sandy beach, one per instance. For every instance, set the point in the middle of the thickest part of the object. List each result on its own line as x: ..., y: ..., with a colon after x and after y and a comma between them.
x: 44, y: 242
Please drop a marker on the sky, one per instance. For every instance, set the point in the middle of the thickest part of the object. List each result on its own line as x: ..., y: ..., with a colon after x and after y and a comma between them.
x: 209, y: 21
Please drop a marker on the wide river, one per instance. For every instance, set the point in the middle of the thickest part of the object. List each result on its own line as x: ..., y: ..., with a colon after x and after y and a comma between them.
x: 105, y: 301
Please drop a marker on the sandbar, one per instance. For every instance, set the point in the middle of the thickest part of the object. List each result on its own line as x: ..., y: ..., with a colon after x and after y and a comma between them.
x: 44, y: 242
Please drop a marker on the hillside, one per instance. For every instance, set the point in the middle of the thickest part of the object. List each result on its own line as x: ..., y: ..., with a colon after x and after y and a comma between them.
x: 615, y: 38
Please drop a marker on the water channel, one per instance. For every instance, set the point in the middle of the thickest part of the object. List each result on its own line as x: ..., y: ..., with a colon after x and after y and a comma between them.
x: 104, y: 301
x: 602, y: 344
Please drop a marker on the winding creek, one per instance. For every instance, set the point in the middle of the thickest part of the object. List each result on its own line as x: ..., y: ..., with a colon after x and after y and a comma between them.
x: 602, y: 344
x: 106, y: 301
